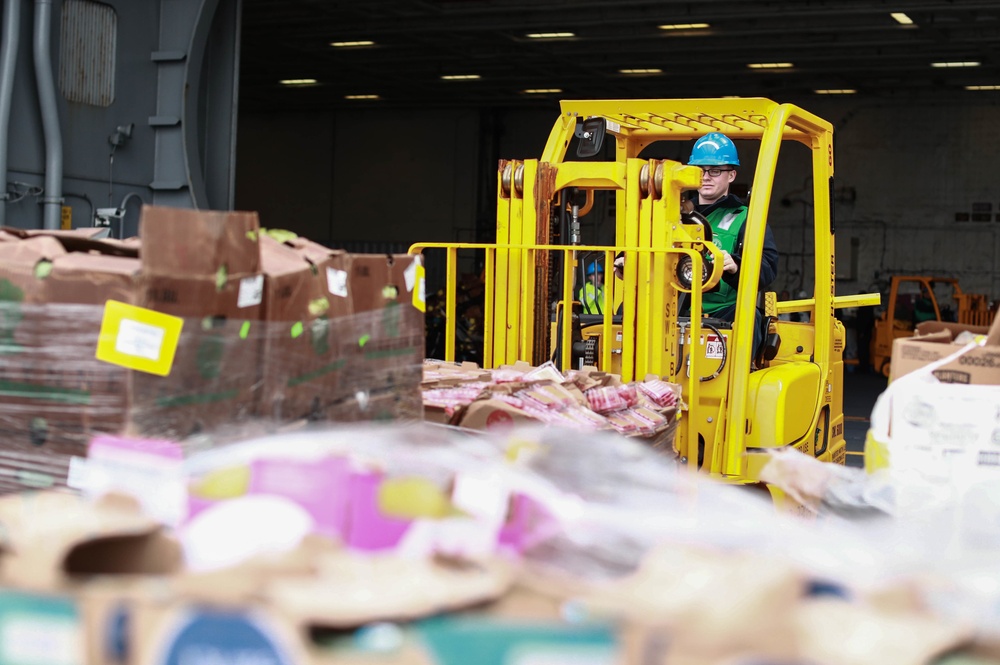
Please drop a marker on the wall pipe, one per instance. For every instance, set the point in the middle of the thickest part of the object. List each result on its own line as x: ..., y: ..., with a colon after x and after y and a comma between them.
x: 52, y: 199
x: 8, y: 61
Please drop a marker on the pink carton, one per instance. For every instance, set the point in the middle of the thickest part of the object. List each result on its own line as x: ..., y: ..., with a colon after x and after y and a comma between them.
x: 527, y: 524
x: 368, y: 527
x: 147, y: 469
x: 320, y: 487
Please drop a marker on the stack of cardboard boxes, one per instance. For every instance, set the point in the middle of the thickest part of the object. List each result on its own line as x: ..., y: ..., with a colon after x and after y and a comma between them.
x: 345, y: 334
x: 237, y: 328
x: 935, y: 432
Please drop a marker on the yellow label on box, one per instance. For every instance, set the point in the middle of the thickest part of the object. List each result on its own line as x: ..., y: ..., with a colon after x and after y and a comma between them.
x: 66, y: 218
x: 138, y: 338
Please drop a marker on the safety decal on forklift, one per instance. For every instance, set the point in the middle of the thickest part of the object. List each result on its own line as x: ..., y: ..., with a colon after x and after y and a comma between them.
x: 138, y: 338
x: 715, y: 347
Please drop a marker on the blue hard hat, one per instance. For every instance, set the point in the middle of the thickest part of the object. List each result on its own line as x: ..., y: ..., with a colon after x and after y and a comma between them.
x: 592, y: 268
x: 714, y: 149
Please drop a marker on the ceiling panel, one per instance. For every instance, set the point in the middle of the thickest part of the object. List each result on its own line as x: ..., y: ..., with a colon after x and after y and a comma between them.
x: 831, y: 45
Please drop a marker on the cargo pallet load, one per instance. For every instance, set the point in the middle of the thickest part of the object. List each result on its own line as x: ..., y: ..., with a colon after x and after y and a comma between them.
x: 202, y: 327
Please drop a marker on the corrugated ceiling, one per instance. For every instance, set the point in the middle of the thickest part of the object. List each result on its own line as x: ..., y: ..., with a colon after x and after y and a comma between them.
x: 852, y: 45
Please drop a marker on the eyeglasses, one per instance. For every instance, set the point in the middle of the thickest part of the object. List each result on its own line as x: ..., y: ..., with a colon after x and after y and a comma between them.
x: 715, y: 173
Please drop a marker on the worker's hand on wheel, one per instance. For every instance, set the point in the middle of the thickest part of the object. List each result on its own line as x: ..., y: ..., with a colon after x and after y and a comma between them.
x: 620, y: 267
x: 728, y: 263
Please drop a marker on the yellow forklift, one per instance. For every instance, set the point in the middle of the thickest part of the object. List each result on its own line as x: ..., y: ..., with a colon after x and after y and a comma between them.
x: 736, y: 406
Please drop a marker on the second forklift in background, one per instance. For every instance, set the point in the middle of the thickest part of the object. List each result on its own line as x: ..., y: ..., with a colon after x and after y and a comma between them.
x: 913, y: 299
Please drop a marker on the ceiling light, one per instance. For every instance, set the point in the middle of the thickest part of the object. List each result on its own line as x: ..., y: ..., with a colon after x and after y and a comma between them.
x: 967, y: 63
x: 363, y: 42
x: 982, y: 87
x: 541, y: 91
x: 902, y: 18
x: 362, y: 97
x: 647, y: 70
x: 460, y: 77
x: 684, y: 26
x: 298, y: 83
x: 836, y: 91
x: 770, y: 65
x: 550, y: 35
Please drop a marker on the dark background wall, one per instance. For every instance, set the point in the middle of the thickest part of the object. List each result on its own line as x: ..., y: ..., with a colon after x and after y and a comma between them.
x: 906, y: 176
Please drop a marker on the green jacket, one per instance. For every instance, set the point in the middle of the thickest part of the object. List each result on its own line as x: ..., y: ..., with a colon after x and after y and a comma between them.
x: 728, y: 218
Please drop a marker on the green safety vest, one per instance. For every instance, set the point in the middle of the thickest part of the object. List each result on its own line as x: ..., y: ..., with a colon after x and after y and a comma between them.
x: 592, y: 298
x: 726, y: 224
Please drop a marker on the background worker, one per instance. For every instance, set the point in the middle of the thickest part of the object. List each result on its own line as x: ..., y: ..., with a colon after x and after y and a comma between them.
x: 591, y: 294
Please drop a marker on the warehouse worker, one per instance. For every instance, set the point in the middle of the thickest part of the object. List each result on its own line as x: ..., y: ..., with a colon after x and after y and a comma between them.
x: 591, y: 294
x: 716, y: 154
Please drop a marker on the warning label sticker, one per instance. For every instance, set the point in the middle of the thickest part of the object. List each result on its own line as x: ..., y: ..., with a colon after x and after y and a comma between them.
x: 715, y: 347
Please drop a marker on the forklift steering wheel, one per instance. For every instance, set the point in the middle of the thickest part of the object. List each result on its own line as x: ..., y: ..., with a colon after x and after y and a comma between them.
x: 698, y: 218
x: 685, y: 267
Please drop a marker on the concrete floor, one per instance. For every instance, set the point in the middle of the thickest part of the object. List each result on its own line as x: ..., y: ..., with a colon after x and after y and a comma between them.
x: 861, y: 389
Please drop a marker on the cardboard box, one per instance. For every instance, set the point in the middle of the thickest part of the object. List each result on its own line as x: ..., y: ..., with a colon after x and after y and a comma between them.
x: 53, y: 389
x: 382, y: 343
x: 936, y: 437
x: 357, y: 359
x: 332, y: 267
x: 933, y: 341
x: 24, y: 264
x: 206, y: 270
x: 376, y: 332
x: 398, y: 402
x: 439, y: 373
x: 301, y: 369
x: 55, y: 539
x: 377, y: 279
x: 97, y: 582
x: 77, y: 288
x: 55, y: 287
x: 144, y: 625
x: 269, y: 611
x: 493, y: 414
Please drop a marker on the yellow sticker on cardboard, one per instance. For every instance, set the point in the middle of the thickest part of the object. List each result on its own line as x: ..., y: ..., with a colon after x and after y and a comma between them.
x: 138, y: 338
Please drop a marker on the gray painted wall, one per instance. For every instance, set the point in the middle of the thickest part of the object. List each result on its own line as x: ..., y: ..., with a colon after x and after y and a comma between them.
x: 903, y: 171
x: 193, y: 81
